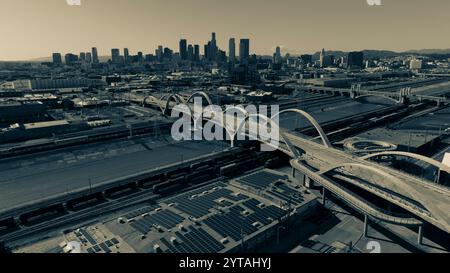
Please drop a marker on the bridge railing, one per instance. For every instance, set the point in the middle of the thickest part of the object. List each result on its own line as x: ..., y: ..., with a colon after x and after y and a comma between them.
x: 364, y: 207
x: 391, y: 197
x: 381, y: 213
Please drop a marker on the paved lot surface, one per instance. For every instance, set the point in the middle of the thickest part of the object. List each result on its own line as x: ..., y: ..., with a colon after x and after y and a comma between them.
x: 42, y: 176
x: 330, y: 111
x: 343, y: 229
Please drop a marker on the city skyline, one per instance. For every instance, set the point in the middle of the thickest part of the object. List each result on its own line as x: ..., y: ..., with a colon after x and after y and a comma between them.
x: 330, y: 24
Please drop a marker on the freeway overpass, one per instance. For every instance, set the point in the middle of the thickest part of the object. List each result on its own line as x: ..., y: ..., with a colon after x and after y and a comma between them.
x: 397, y: 97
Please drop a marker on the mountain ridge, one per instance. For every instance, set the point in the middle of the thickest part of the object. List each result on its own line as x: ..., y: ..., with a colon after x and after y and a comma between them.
x: 368, y: 53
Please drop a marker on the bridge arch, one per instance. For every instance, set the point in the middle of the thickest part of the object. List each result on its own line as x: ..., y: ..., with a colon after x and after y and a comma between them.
x: 175, y: 97
x: 292, y: 150
x: 241, y: 109
x: 379, y: 96
x: 312, y: 120
x: 230, y: 134
x: 237, y: 107
x: 422, y: 158
x: 203, y: 94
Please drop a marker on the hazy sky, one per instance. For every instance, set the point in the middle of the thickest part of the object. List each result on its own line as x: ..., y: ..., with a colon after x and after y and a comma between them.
x: 36, y: 28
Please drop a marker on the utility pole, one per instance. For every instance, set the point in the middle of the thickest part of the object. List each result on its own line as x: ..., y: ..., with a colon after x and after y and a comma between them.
x: 409, y: 142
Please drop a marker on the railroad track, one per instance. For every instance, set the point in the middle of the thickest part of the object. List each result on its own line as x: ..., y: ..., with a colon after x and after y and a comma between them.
x: 73, y: 217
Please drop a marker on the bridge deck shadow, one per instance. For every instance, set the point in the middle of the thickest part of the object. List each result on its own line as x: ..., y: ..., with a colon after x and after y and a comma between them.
x: 391, y: 236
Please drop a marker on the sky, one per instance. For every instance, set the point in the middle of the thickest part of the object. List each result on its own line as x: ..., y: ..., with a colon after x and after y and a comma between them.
x: 36, y: 28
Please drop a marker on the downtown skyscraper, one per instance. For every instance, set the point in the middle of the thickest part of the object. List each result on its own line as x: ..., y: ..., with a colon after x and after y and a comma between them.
x: 95, y: 55
x: 232, y: 51
x: 115, y: 56
x: 244, y: 50
x: 126, y: 55
x: 183, y: 49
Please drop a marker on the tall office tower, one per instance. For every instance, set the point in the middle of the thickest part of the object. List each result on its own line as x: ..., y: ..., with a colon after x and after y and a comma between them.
x: 57, y: 59
x: 306, y: 58
x: 71, y: 59
x: 159, y: 53
x: 322, y: 58
x: 126, y: 55
x: 88, y: 57
x: 167, y: 53
x: 355, y: 59
x: 244, y: 50
x: 140, y: 56
x: 95, y: 55
x: 82, y: 56
x: 115, y: 55
x: 183, y: 49
x: 232, y: 51
x: 196, y: 53
x: 277, y: 55
x: 213, y: 47
x: 208, y: 51
x: 190, y: 53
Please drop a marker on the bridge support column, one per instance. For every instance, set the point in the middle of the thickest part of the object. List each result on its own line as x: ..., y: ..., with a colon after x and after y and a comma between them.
x: 366, y: 226
x: 308, y: 182
x: 324, y: 196
x: 293, y: 172
x: 420, y: 235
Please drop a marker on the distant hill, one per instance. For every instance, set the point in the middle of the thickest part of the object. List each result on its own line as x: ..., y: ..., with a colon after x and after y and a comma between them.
x: 371, y: 54
x: 49, y: 59
x: 374, y: 54
x: 430, y: 51
x: 368, y: 53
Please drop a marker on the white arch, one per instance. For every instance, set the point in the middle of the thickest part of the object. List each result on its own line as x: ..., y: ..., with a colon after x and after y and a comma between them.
x: 203, y: 94
x: 291, y: 147
x: 177, y: 98
x: 375, y: 95
x: 238, y: 107
x: 230, y: 133
x: 422, y: 158
x: 312, y: 120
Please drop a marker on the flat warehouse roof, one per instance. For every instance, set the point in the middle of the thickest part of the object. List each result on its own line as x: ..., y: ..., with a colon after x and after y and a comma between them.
x: 44, y: 124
